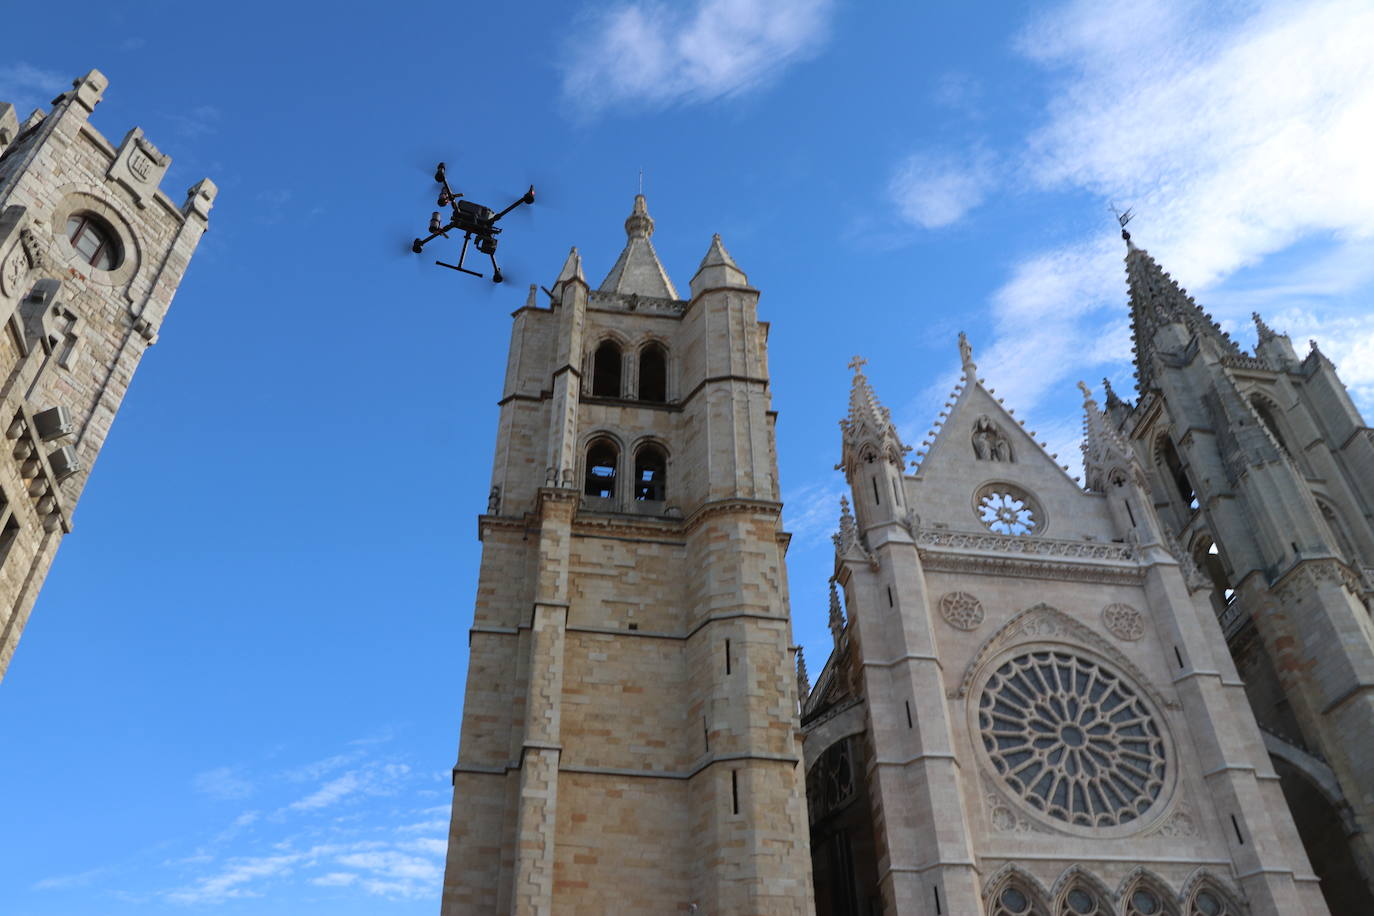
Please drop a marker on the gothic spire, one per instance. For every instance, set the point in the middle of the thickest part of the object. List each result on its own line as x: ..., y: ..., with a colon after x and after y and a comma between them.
x: 803, y: 679
x: 1158, y: 300
x: 1263, y: 330
x: 868, y: 424
x: 572, y: 270
x: 637, y: 271
x: 717, y: 269
x: 836, y: 615
x: 1103, y: 445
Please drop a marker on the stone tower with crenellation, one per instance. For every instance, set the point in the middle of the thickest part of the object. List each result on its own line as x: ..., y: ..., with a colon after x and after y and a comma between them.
x: 629, y: 736
x: 91, y: 253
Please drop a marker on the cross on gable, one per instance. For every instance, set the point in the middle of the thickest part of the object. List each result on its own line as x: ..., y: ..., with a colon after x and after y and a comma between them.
x: 858, y: 363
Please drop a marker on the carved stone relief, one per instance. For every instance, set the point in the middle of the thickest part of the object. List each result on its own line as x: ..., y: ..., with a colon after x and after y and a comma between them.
x: 1123, y: 621
x: 989, y: 442
x: 961, y: 610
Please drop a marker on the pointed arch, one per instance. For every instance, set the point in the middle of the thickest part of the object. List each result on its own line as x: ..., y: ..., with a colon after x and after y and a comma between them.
x: 1012, y: 891
x: 606, y: 369
x: 601, y: 468
x: 1078, y: 892
x: 651, y: 473
x: 1171, y: 465
x: 1042, y: 623
x: 1340, y: 533
x: 1144, y: 893
x: 1202, y: 885
x: 653, y: 372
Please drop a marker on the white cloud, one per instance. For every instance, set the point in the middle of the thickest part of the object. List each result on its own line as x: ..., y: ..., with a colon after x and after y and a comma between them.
x: 335, y: 879
x: 222, y: 783
x: 233, y: 881
x: 1235, y: 132
x: 27, y: 87
x: 934, y: 191
x: 811, y: 512
x: 79, y: 879
x: 652, y: 54
x: 372, y: 779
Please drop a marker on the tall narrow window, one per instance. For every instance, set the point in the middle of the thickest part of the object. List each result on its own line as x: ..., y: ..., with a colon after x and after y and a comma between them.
x: 606, y: 370
x: 601, y: 462
x: 653, y: 374
x: 650, y: 473
x: 1174, y: 465
x: 1267, y: 417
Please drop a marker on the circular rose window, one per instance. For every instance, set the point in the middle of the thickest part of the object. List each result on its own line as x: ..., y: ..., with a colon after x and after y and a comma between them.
x: 1072, y: 740
x: 1005, y: 509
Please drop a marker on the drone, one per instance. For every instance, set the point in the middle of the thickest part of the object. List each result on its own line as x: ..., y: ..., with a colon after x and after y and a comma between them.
x: 471, y: 219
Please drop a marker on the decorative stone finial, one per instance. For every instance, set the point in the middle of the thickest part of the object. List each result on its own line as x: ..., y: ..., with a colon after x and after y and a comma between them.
x: 1264, y: 331
x: 639, y: 224
x: 857, y: 364
x: 836, y: 615
x: 966, y: 357
x: 1087, y: 393
x: 803, y: 679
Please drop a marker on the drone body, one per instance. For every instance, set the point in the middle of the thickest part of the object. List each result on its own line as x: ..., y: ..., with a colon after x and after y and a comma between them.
x: 475, y: 221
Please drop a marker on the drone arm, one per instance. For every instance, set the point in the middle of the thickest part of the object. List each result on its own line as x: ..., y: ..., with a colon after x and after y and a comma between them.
x: 526, y: 198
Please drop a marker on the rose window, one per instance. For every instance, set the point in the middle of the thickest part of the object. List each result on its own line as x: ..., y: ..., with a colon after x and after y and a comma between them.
x: 1072, y: 740
x: 1007, y: 511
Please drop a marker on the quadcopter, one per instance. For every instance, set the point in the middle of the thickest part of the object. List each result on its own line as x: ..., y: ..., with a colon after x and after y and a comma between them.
x: 471, y: 219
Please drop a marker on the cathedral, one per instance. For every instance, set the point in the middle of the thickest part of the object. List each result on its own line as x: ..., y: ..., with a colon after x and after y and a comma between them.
x: 91, y: 253
x: 1150, y: 695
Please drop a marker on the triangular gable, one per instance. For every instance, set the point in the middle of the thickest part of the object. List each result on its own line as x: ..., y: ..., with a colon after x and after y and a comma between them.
x: 979, y: 441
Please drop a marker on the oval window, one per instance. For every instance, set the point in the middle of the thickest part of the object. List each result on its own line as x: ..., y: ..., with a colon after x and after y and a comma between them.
x: 94, y: 241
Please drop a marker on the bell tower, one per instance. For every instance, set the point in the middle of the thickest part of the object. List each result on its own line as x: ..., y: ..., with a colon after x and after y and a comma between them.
x: 91, y: 253
x: 1262, y: 471
x: 629, y: 736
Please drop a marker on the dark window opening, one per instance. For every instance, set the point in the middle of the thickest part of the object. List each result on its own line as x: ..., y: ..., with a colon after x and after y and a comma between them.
x: 606, y: 370
x: 1272, y: 424
x: 734, y: 790
x: 95, y: 241
x: 1178, y: 474
x: 876, y: 500
x: 601, y: 461
x: 650, y: 474
x: 653, y: 374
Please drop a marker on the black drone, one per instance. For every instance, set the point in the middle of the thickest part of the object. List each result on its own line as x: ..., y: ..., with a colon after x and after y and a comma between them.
x: 473, y: 220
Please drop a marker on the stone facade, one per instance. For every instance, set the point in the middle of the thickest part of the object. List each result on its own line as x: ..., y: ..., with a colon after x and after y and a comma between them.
x: 91, y: 253
x: 629, y: 739
x: 1033, y: 705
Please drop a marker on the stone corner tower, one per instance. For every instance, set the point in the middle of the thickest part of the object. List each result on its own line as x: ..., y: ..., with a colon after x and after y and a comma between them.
x: 91, y: 254
x: 1262, y: 469
x: 629, y: 737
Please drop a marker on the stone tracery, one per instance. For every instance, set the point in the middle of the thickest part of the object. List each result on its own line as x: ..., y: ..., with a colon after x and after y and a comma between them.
x: 1072, y: 740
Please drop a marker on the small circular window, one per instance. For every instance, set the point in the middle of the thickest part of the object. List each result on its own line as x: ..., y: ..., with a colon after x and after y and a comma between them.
x: 94, y: 241
x: 1005, y: 509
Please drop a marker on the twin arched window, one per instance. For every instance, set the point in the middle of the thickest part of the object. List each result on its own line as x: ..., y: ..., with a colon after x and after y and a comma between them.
x: 650, y: 471
x: 607, y: 380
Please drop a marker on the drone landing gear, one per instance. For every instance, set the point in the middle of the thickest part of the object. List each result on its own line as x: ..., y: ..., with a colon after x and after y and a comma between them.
x: 482, y: 245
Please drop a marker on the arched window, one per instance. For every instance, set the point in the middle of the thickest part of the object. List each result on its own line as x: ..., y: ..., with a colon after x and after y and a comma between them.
x: 651, y: 468
x: 1266, y: 415
x: 606, y: 370
x: 602, y: 456
x: 1208, y: 559
x: 1210, y: 901
x: 1015, y: 899
x: 1149, y: 898
x: 1083, y: 900
x: 1339, y: 532
x: 1174, y: 465
x: 94, y: 241
x: 653, y: 373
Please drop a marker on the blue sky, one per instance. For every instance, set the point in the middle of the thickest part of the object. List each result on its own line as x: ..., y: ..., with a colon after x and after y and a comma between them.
x: 241, y: 686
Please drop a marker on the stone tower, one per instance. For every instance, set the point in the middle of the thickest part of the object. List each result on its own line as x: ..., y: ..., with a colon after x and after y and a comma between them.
x: 629, y: 733
x: 1262, y: 469
x: 91, y: 253
x: 1030, y: 709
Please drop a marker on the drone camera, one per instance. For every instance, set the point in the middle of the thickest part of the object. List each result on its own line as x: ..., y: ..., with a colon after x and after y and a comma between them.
x: 486, y: 245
